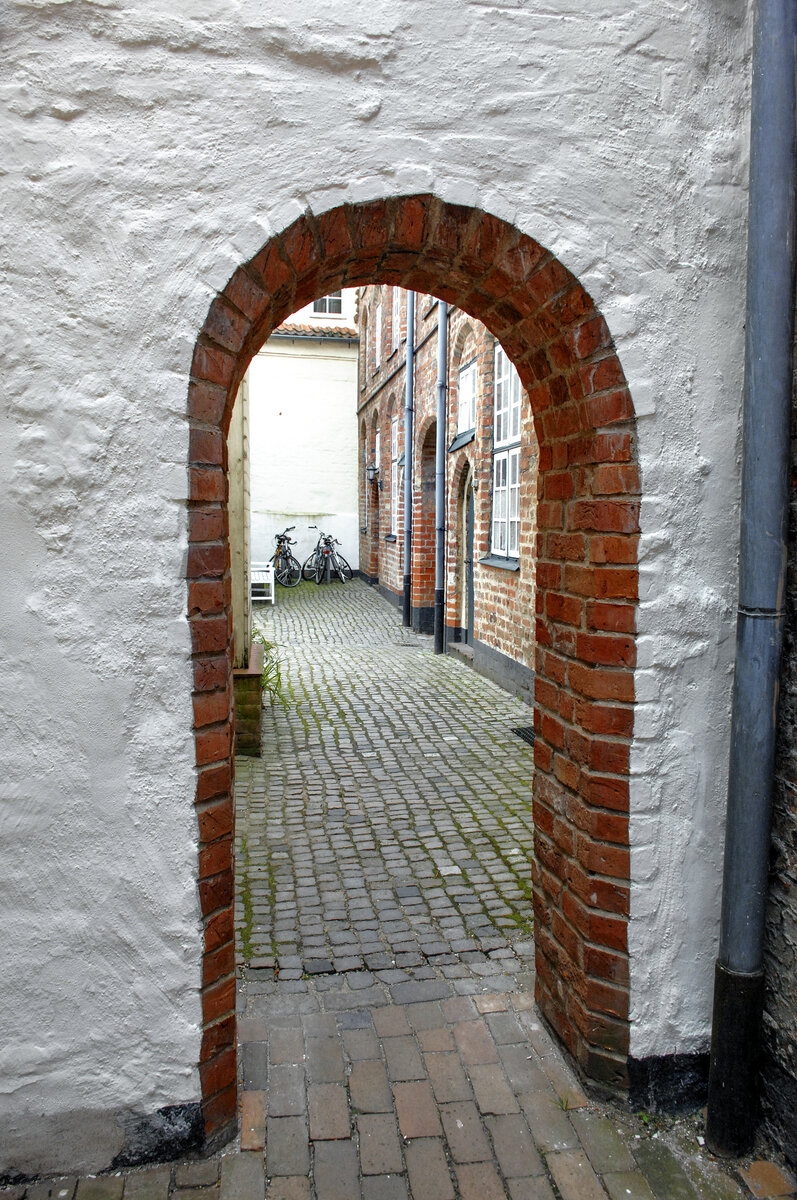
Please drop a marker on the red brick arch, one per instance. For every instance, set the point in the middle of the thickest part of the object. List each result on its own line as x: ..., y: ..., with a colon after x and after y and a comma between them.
x: 586, y: 575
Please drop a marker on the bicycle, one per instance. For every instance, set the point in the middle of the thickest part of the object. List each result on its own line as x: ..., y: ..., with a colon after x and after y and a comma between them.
x: 287, y: 569
x: 328, y: 560
x: 308, y: 569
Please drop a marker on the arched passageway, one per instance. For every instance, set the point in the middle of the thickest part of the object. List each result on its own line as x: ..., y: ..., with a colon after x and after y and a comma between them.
x: 587, y: 516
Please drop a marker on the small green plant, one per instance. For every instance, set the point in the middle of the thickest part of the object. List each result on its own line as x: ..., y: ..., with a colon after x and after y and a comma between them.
x: 272, y: 670
x: 564, y: 1103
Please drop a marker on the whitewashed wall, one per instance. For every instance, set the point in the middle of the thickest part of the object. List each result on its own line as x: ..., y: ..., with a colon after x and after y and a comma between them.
x: 303, y: 438
x: 147, y: 150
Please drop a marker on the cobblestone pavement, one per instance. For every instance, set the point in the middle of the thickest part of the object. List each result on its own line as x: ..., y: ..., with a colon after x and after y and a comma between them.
x: 389, y: 1044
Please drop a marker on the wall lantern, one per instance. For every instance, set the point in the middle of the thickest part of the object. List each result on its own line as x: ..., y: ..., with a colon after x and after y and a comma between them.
x: 372, y: 470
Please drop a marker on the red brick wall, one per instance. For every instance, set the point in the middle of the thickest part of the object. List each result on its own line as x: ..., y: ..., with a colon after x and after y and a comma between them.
x: 587, y: 520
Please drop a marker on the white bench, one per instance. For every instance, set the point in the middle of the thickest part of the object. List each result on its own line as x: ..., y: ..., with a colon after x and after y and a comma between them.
x: 261, y: 581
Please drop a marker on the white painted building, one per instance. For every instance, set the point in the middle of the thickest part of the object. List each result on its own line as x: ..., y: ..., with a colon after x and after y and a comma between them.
x: 150, y: 151
x: 303, y: 430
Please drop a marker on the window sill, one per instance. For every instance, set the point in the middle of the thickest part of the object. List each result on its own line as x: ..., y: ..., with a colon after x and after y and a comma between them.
x: 390, y: 537
x: 502, y: 564
x: 462, y: 439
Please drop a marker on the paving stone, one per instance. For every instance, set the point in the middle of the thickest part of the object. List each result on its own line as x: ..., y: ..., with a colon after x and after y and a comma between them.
x: 605, y: 1148
x: 100, y: 1187
x: 574, y: 1177
x: 148, y: 1183
x: 242, y: 1177
x: 286, y: 1095
x: 491, y: 1004
x: 627, y: 1185
x: 404, y: 1060
x: 493, y: 1093
x: 391, y: 1022
x: 416, y: 1110
x: 523, y: 1070
x: 335, y: 1171
x: 289, y: 1187
x: 328, y: 1108
x: 255, y: 1066
x: 360, y: 1043
x: 285, y: 1046
x: 380, y: 1151
x: 435, y: 1039
x: 63, y: 1187
x: 201, y: 1172
x: 448, y: 1077
x: 324, y: 1057
x: 369, y: 1088
x: 385, y: 1187
x: 766, y: 1179
x: 197, y: 1193
x: 505, y: 1029
x: 474, y: 1043
x: 549, y: 1125
x: 514, y: 1147
x: 663, y: 1172
x: 253, y: 1120
x: 467, y: 1140
x: 287, y: 1149
x: 416, y: 991
x: 534, y: 1188
x: 480, y: 1181
x: 429, y: 1177
x: 358, y: 1018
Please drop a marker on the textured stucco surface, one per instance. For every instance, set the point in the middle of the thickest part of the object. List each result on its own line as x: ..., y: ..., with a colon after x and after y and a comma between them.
x: 146, y: 153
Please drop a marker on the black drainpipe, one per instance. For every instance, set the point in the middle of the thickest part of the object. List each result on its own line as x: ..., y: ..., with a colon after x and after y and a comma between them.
x: 409, y: 372
x: 739, y: 975
x: 440, y: 478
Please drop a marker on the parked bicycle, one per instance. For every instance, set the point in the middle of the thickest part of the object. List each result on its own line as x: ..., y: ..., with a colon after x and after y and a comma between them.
x: 287, y: 569
x: 326, y: 561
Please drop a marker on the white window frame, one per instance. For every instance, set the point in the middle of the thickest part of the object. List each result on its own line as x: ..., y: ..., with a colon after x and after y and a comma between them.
x: 324, y: 304
x: 507, y: 398
x: 466, y: 397
x: 377, y: 453
x: 365, y: 480
x: 395, y: 328
x: 507, y: 395
x: 378, y: 334
x: 394, y: 475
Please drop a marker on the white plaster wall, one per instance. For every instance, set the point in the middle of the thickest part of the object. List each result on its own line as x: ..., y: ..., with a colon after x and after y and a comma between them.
x: 147, y: 150
x: 303, y: 444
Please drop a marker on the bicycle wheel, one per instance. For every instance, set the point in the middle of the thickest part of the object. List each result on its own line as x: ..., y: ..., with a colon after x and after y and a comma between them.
x: 287, y: 571
x: 320, y: 568
x: 308, y: 570
x: 343, y: 569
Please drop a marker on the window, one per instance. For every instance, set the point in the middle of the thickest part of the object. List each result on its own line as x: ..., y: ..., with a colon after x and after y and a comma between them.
x: 395, y: 326
x: 365, y: 480
x: 377, y: 451
x: 466, y: 398
x: 394, y: 475
x: 333, y: 303
x: 505, y: 539
x: 377, y: 334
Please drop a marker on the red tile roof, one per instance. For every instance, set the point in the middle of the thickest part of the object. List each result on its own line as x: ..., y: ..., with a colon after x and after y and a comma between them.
x: 340, y: 332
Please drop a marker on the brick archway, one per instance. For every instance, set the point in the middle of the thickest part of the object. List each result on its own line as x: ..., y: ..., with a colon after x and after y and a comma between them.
x: 586, y: 587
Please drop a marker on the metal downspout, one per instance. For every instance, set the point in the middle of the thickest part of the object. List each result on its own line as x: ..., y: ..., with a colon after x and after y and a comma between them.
x: 440, y: 477
x: 739, y: 975
x: 409, y: 382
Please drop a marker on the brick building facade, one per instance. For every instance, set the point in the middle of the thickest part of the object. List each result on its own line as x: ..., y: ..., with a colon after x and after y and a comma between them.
x: 490, y: 481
